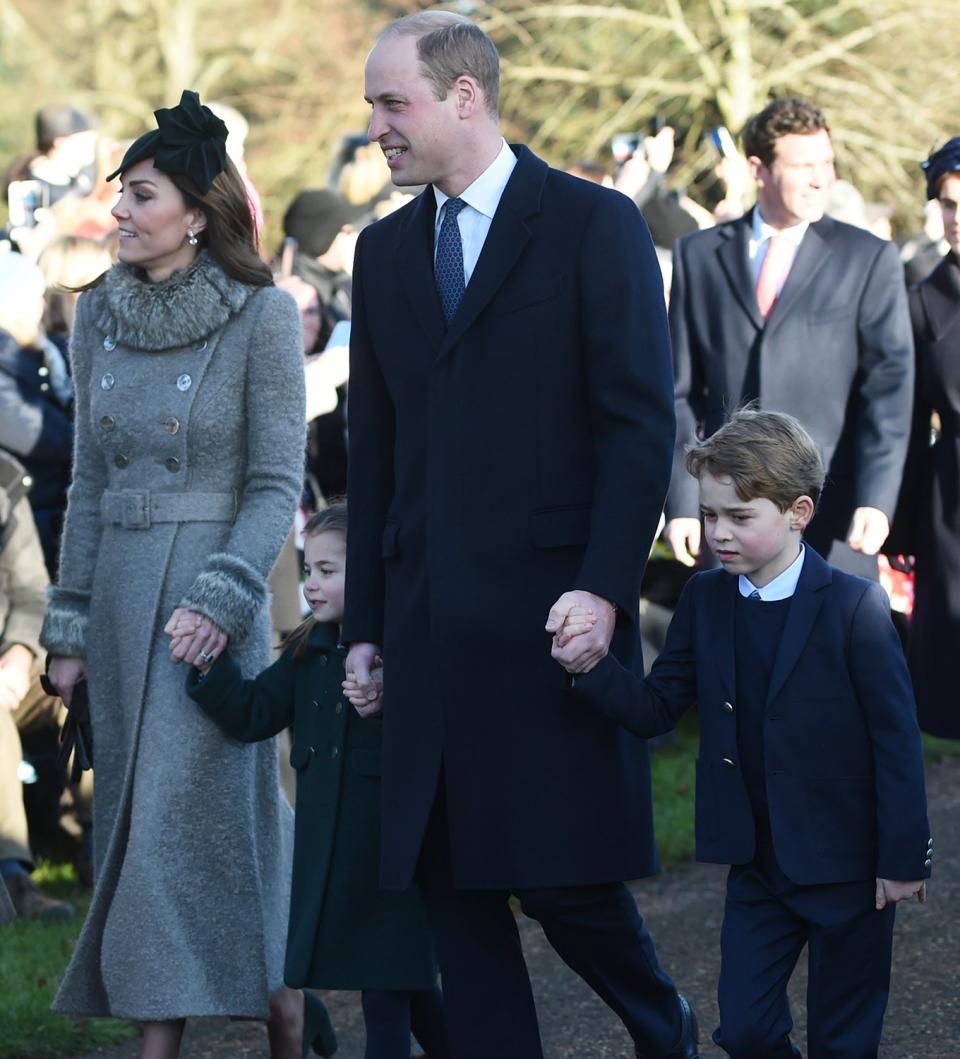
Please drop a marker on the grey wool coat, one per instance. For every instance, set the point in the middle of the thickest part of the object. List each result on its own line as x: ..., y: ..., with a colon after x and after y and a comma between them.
x: 187, y: 471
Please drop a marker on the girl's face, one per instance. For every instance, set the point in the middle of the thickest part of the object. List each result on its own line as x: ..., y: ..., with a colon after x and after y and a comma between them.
x: 324, y: 562
x: 154, y: 222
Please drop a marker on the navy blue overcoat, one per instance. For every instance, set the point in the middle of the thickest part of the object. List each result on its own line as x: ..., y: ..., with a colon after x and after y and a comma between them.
x: 521, y: 451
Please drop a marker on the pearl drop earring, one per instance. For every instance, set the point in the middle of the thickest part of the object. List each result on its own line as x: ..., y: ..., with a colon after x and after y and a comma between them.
x: 192, y: 239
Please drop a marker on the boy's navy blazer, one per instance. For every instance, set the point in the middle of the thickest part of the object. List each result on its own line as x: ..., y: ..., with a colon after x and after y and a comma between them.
x: 843, y: 759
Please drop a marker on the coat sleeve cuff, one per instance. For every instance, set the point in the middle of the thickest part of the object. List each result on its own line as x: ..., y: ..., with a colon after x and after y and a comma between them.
x: 64, y: 630
x: 230, y: 592
x: 212, y: 690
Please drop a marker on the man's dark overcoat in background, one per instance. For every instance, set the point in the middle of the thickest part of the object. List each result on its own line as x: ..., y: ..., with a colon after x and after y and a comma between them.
x: 836, y: 352
x: 521, y: 452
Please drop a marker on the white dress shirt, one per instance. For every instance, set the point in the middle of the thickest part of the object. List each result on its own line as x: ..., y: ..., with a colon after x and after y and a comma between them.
x: 760, y: 243
x: 782, y: 586
x: 481, y: 198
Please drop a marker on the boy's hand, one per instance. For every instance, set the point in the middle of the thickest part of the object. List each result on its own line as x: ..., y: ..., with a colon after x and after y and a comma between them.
x: 579, y: 620
x: 890, y: 891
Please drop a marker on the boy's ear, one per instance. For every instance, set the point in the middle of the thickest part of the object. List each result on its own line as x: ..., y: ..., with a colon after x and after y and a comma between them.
x: 801, y: 511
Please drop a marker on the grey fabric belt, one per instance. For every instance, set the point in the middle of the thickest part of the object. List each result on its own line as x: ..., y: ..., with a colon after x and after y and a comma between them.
x: 139, y: 509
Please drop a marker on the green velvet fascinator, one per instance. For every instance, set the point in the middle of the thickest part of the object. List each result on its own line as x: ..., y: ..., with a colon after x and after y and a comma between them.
x: 189, y: 139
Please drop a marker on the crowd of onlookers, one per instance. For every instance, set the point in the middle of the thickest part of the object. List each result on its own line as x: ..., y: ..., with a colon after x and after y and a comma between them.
x: 61, y: 236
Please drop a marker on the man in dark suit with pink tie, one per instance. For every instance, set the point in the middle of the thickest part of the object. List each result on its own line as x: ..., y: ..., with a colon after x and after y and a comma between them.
x: 805, y: 315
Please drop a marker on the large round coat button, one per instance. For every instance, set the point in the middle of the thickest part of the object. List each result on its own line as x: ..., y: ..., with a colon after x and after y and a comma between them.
x: 107, y: 423
x: 172, y: 464
x: 109, y: 343
x: 107, y: 381
x: 334, y: 751
x: 184, y: 382
x: 120, y: 460
x: 172, y: 425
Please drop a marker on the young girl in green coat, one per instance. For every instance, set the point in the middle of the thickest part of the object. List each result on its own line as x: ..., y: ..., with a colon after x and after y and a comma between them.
x: 345, y: 932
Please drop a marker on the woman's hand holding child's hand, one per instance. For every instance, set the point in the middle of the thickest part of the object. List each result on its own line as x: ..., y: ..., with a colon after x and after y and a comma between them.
x: 194, y: 638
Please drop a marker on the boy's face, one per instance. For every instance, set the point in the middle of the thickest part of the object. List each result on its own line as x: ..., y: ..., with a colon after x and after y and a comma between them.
x: 751, y: 537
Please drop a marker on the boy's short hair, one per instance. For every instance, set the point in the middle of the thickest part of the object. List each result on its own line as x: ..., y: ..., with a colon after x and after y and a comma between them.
x: 768, y: 455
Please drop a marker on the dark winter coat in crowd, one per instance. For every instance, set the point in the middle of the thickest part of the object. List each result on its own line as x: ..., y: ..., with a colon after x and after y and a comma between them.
x: 36, y: 426
x: 928, y: 518
x: 345, y: 932
x: 189, y: 458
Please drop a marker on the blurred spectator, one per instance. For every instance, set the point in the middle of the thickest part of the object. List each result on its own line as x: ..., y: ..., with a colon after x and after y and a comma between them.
x: 325, y: 226
x: 878, y: 216
x: 64, y: 163
x: 238, y: 129
x: 68, y: 263
x: 642, y: 176
x: 35, y: 397
x: 922, y: 253
x: 23, y: 583
x: 845, y: 203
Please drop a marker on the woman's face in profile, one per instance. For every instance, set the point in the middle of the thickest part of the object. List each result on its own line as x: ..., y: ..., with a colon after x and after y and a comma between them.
x: 949, y: 199
x: 155, y: 222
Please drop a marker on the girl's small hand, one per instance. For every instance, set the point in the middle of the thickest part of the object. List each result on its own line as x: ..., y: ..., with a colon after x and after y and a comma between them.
x: 579, y: 620
x: 358, y: 699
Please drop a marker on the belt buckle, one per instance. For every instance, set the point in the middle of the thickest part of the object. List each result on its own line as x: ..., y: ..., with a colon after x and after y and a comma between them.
x: 135, y: 510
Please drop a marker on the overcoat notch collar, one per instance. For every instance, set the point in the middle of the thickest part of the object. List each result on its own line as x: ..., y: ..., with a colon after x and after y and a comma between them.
x: 801, y: 617
x: 940, y: 296
x: 734, y: 256
x: 508, y: 235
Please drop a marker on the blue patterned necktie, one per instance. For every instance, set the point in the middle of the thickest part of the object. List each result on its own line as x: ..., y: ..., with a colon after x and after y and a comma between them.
x: 449, y: 260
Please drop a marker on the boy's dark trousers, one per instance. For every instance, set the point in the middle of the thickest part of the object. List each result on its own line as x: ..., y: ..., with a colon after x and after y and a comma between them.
x: 596, y: 930
x: 767, y: 920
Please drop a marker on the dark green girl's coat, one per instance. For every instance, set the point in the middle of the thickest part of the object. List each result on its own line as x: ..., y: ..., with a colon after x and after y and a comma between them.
x: 345, y: 932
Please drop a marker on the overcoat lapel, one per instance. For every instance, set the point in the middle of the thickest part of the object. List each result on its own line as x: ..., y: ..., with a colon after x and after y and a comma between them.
x: 415, y: 265
x: 811, y: 256
x: 804, y: 608
x: 940, y: 296
x: 734, y: 255
x: 508, y: 235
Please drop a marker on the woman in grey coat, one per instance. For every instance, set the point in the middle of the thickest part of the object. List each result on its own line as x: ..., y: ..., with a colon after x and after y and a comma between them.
x: 187, y: 470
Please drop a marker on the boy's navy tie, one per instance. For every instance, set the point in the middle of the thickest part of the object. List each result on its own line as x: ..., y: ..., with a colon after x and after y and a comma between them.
x: 755, y: 594
x: 449, y: 261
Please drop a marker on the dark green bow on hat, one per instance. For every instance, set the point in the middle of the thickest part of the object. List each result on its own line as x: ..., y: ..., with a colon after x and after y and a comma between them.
x: 189, y: 139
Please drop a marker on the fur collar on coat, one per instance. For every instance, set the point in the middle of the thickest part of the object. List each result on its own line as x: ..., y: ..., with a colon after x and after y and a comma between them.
x: 186, y: 308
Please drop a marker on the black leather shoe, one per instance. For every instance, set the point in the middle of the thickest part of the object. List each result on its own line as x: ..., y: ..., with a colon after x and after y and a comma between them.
x: 689, y: 1044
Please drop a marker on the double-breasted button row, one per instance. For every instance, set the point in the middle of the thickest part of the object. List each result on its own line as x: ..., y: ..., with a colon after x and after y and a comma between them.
x: 108, y: 380
x: 337, y: 706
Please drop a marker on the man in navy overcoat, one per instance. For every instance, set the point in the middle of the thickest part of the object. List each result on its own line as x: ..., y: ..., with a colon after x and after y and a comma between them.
x: 511, y: 430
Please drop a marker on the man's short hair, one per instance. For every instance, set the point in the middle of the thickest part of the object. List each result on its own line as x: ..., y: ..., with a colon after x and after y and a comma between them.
x: 768, y: 455
x: 59, y: 119
x: 451, y: 46
x: 780, y: 118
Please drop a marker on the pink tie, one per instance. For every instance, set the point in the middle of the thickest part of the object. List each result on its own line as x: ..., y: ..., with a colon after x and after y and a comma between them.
x: 773, y: 272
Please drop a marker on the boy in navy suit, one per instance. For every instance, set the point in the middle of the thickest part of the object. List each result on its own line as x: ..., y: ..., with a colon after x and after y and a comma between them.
x: 810, y: 776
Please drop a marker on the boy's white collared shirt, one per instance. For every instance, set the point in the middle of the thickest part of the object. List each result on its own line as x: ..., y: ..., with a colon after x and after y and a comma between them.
x: 782, y: 586
x: 482, y: 199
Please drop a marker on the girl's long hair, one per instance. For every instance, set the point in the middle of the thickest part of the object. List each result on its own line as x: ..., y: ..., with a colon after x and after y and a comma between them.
x: 332, y: 519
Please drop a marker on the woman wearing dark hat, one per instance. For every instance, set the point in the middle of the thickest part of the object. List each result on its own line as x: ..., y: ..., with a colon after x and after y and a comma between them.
x: 189, y: 441
x: 928, y: 518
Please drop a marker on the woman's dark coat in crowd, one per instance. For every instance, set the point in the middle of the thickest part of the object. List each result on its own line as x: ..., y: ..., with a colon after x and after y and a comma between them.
x: 36, y: 426
x: 928, y: 518
x: 345, y: 932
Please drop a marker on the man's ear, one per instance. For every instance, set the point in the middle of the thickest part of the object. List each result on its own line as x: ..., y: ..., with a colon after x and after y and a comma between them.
x: 469, y: 96
x: 756, y: 168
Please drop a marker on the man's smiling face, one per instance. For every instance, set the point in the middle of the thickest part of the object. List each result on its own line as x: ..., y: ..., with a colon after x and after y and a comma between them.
x: 418, y: 133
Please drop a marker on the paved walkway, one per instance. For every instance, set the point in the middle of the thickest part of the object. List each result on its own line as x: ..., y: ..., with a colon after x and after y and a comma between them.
x: 683, y: 909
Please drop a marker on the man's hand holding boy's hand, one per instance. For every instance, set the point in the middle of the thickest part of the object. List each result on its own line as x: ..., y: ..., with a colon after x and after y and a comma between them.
x: 582, y: 625
x: 890, y: 891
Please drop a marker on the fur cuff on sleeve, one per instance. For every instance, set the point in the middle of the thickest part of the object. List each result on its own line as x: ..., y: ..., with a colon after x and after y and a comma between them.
x: 64, y: 629
x: 229, y: 592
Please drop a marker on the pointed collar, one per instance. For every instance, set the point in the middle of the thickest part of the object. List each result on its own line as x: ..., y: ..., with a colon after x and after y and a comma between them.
x: 485, y: 192
x: 782, y: 586
x: 186, y: 308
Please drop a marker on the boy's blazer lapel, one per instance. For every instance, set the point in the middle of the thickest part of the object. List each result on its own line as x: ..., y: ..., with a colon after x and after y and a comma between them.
x: 720, y: 623
x: 804, y: 608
